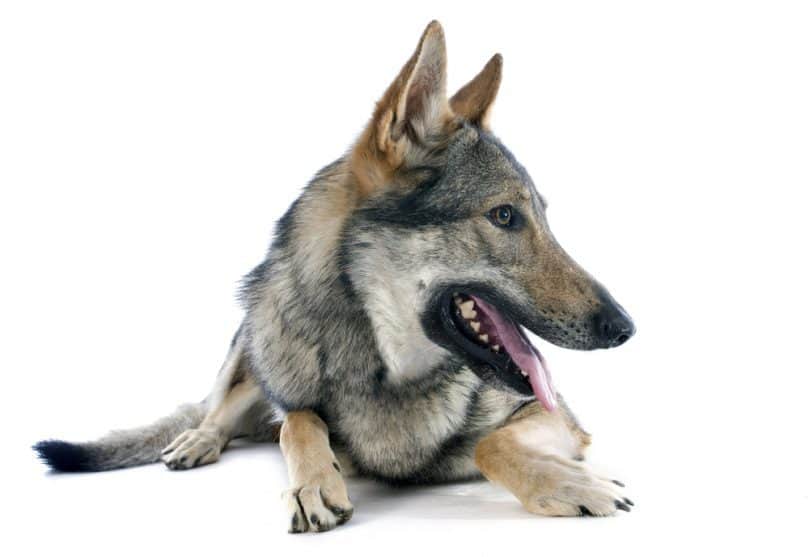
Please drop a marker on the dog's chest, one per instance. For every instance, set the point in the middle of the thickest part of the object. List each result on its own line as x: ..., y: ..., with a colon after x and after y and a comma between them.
x: 395, y: 433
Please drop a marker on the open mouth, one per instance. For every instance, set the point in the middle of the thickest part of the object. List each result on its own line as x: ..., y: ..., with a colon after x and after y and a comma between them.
x: 488, y: 335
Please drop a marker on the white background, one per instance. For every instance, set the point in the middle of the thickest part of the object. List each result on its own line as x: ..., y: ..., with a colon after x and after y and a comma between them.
x: 147, y: 148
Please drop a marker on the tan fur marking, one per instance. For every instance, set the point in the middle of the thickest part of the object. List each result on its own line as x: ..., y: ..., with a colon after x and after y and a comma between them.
x: 563, y: 288
x: 239, y: 376
x: 533, y: 456
x: 204, y: 445
x: 327, y: 214
x: 474, y: 100
x: 413, y: 108
x: 237, y: 401
x: 583, y: 438
x: 318, y: 499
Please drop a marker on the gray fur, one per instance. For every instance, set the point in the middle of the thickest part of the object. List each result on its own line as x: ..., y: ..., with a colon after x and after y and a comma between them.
x: 313, y: 336
x: 315, y: 331
x: 341, y: 316
x: 121, y: 448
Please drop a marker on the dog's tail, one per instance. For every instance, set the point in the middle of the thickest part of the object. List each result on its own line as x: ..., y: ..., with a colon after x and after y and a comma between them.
x: 121, y: 449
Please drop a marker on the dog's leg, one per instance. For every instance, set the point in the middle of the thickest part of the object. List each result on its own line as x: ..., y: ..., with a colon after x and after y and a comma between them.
x: 537, y: 456
x: 234, y: 395
x: 317, y: 499
x: 204, y: 445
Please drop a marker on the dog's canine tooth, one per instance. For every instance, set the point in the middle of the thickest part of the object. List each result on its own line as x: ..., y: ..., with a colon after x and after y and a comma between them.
x: 475, y: 325
x: 484, y: 338
x: 523, y: 373
x: 468, y: 305
x: 496, y: 348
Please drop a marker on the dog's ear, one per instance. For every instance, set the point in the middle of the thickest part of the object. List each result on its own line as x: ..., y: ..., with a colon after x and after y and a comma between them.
x: 475, y: 99
x: 412, y: 117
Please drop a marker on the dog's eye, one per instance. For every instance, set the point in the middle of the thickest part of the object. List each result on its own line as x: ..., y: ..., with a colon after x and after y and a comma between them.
x: 502, y: 216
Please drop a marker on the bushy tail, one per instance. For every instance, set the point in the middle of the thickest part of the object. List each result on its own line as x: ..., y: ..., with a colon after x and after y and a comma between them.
x: 121, y: 449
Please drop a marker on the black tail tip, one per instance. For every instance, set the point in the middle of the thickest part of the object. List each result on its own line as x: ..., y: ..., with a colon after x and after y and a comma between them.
x: 65, y: 457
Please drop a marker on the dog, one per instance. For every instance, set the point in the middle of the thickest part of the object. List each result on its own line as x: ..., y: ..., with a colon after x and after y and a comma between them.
x: 384, y: 333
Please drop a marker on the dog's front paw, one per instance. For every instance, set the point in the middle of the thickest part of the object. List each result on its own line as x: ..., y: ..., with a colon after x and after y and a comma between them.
x: 320, y: 504
x: 563, y: 487
x: 192, y: 448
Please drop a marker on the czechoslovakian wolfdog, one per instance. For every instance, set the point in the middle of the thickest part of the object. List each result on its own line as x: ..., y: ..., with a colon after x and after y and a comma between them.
x: 383, y: 333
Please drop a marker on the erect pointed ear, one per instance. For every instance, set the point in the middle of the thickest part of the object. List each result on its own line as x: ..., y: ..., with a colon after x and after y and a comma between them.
x: 475, y: 99
x: 410, y: 119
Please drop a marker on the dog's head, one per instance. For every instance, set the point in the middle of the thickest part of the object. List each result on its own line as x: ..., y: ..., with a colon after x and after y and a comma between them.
x: 449, y: 246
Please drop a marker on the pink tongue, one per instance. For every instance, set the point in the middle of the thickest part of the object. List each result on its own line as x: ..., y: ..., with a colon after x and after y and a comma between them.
x: 524, y: 355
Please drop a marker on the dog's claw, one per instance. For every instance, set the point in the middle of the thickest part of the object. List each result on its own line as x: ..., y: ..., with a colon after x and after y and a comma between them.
x: 311, y: 509
x: 619, y: 484
x: 585, y: 511
x: 629, y: 502
x: 622, y: 506
x: 343, y: 515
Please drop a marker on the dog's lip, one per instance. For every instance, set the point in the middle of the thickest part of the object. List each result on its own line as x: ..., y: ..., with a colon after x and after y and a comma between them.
x: 527, y: 373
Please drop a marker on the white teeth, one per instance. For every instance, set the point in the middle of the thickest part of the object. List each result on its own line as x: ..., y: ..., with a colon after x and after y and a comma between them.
x: 467, y: 309
x: 523, y: 373
x: 496, y: 348
x: 475, y: 325
x: 484, y: 338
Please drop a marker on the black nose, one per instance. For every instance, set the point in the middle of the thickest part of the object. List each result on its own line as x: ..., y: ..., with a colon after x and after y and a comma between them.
x: 613, y: 326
